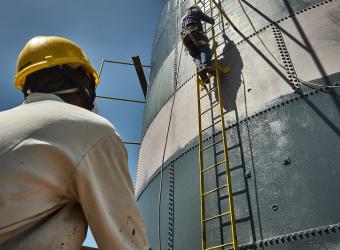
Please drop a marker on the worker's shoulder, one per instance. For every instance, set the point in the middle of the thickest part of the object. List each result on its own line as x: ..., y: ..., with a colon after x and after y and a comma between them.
x: 81, y: 118
x: 73, y: 120
x: 55, y: 123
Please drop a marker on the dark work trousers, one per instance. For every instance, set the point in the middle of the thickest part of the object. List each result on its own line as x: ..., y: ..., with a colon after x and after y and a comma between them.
x: 201, y: 53
x: 202, y: 57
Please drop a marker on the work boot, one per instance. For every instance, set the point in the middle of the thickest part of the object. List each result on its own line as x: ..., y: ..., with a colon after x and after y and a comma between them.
x: 209, y: 71
x: 203, y: 74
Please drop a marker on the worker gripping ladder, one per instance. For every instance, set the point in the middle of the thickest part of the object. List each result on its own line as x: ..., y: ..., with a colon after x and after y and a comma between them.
x: 203, y: 148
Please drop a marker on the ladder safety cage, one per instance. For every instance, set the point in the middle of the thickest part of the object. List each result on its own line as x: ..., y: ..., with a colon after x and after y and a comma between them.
x: 141, y: 77
x: 212, y: 5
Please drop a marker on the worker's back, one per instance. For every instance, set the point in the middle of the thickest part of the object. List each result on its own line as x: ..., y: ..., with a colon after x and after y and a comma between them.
x: 54, y: 167
x: 193, y: 17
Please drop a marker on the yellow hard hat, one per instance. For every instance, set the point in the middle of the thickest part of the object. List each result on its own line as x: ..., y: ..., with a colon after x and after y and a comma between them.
x: 46, y: 51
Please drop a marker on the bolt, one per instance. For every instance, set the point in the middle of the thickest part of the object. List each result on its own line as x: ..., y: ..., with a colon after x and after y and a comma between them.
x: 286, y: 161
x: 248, y: 174
x: 275, y: 207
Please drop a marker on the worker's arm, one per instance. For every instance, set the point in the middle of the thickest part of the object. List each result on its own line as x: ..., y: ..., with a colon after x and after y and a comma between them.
x: 103, y: 187
x: 205, y: 17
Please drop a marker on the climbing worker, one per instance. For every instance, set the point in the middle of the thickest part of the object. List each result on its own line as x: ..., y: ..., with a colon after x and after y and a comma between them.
x: 196, y: 41
x: 63, y: 167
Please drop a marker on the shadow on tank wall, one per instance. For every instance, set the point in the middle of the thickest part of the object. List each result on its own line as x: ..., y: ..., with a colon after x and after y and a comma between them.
x: 230, y: 85
x: 231, y: 57
x: 230, y: 82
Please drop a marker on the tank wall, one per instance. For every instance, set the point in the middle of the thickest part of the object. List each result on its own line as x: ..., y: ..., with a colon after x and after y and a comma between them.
x: 278, y: 206
x: 166, y: 39
x: 254, y: 81
x: 304, y: 192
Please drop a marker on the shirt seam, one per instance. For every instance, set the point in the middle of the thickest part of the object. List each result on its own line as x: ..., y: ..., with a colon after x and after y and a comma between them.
x: 80, y: 161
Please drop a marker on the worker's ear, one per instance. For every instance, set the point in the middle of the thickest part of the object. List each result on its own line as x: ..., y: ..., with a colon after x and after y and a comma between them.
x: 95, y: 108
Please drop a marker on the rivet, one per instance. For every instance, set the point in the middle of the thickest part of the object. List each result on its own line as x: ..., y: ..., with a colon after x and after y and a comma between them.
x: 275, y: 207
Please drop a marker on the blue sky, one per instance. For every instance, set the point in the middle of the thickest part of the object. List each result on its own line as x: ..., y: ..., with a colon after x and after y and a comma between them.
x: 105, y: 29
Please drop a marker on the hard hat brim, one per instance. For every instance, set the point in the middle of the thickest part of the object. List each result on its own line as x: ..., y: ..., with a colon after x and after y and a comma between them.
x: 20, y: 77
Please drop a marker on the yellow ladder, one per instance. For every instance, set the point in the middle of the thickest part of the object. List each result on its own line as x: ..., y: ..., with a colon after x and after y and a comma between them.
x: 203, y: 148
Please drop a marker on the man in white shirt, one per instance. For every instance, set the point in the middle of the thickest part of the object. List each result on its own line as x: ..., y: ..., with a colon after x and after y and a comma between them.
x: 62, y: 167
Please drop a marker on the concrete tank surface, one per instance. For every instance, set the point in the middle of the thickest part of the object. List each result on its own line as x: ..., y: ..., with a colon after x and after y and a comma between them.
x: 284, y: 145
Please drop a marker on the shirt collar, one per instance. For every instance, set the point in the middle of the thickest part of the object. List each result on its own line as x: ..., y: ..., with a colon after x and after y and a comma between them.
x: 37, y: 97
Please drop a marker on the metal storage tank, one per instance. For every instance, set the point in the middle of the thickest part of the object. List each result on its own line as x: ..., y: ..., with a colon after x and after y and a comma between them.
x: 283, y: 144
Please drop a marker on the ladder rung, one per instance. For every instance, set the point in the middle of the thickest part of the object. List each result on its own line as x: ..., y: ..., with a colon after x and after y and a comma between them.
x: 214, y: 190
x: 210, y: 28
x: 210, y: 126
x: 217, y: 216
x: 217, y: 15
x: 204, y: 5
x: 206, y: 80
x: 213, y: 106
x: 211, y: 90
x: 215, y: 165
x: 209, y: 10
x: 220, y: 246
x: 212, y: 145
x: 212, y: 37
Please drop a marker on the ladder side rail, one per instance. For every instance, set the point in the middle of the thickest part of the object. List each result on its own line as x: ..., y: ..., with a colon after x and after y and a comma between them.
x: 201, y: 162
x: 201, y: 159
x: 224, y: 137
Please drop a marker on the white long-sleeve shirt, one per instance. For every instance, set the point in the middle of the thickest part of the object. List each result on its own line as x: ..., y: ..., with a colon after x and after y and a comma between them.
x: 61, y: 168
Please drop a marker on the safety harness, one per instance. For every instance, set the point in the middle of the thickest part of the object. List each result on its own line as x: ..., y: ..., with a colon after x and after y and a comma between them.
x: 192, y: 35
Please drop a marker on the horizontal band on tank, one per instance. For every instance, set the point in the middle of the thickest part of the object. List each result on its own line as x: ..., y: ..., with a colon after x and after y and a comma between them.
x: 291, y: 98
x: 292, y: 237
x: 263, y: 28
x: 253, y: 35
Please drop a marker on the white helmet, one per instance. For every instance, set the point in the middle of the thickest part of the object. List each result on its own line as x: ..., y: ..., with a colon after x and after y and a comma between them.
x: 194, y: 6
